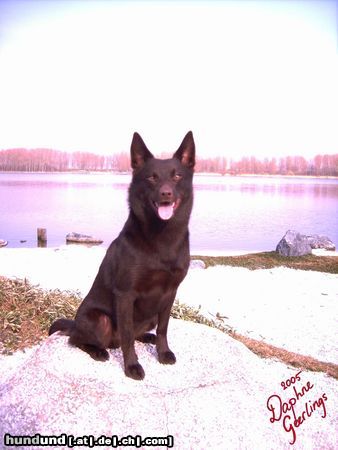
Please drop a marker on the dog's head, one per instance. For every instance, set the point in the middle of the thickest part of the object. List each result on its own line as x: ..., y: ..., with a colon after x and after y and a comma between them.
x: 162, y: 187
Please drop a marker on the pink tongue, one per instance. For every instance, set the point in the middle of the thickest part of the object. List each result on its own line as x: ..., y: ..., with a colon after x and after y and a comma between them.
x: 166, y: 211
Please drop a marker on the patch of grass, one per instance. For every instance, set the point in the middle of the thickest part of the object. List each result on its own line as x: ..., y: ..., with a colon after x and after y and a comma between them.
x: 185, y: 312
x: 265, y: 350
x: 27, y: 311
x: 269, y: 260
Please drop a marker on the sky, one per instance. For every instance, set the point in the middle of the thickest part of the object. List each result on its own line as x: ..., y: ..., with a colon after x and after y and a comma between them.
x: 247, y: 77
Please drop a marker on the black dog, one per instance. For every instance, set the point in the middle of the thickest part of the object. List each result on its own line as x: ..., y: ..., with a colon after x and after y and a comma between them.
x: 136, y: 285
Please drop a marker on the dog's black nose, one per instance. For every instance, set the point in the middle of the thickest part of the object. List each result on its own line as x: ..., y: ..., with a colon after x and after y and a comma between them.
x: 166, y: 193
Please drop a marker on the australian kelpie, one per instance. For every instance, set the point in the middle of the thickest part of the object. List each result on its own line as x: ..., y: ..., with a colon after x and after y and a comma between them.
x: 136, y: 284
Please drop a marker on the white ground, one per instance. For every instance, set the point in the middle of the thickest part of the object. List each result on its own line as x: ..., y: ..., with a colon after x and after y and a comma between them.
x: 293, y: 309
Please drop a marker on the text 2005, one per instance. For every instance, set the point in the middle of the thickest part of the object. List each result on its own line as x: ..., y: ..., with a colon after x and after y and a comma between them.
x: 292, y: 380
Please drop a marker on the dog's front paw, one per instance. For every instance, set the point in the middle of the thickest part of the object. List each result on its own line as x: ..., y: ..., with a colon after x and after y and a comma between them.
x: 135, y: 371
x: 167, y: 357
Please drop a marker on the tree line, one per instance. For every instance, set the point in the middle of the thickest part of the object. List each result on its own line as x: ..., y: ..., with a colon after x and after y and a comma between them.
x: 47, y: 160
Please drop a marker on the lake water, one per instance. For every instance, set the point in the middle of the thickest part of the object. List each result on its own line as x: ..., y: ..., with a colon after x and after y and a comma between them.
x: 229, y: 214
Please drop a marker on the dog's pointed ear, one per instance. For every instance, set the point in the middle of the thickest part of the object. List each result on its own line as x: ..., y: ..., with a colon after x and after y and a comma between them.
x: 186, y: 151
x: 138, y: 152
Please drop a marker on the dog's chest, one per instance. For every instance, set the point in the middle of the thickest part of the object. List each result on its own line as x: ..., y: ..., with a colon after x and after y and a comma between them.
x: 159, y: 281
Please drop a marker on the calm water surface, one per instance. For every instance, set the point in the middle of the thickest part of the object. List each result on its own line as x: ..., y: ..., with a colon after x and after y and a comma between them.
x: 229, y: 214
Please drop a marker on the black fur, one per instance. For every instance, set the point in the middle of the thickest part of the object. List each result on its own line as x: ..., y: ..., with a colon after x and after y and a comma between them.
x: 136, y: 284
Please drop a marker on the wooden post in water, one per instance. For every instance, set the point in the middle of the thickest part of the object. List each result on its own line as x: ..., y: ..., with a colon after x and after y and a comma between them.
x: 42, y: 237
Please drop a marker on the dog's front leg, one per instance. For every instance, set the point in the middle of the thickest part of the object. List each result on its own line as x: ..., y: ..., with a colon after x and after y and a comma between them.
x: 165, y: 355
x: 132, y: 368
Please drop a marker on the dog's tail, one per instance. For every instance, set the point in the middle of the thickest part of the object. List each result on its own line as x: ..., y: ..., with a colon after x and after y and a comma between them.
x: 63, y: 325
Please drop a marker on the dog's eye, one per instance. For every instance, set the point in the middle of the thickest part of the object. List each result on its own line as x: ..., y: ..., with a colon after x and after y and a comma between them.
x: 177, y: 177
x: 153, y: 178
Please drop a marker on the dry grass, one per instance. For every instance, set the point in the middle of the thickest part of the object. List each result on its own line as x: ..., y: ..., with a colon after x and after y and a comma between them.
x: 27, y: 311
x: 185, y: 312
x: 293, y: 359
x: 269, y: 260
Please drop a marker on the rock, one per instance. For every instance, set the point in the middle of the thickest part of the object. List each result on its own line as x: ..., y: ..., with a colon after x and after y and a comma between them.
x: 197, y: 264
x: 82, y: 239
x: 216, y: 393
x: 318, y: 241
x: 294, y: 244
x: 3, y: 243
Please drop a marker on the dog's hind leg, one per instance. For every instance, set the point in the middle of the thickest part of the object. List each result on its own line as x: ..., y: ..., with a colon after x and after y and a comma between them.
x: 93, y: 334
x: 99, y: 354
x: 147, y: 338
x: 142, y: 334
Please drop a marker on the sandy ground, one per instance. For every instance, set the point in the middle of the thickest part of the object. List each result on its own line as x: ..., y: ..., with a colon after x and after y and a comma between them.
x: 293, y: 309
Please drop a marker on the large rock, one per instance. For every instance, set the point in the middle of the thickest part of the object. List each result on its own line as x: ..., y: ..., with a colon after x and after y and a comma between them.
x: 3, y: 243
x: 294, y: 244
x: 197, y: 264
x: 318, y: 241
x: 215, y: 396
x: 79, y: 238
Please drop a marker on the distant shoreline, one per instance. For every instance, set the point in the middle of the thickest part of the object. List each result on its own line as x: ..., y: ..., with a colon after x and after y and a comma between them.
x: 252, y: 175
x: 197, y: 174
